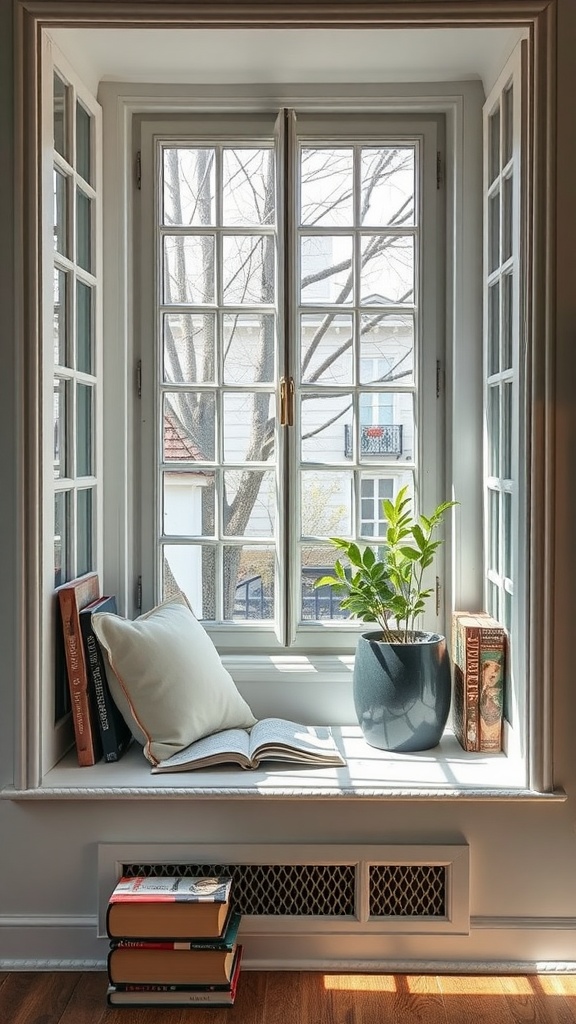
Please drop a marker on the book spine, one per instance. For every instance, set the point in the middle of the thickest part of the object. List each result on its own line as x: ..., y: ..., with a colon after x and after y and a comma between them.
x: 87, y: 744
x: 113, y: 746
x: 466, y: 653
x: 491, y: 696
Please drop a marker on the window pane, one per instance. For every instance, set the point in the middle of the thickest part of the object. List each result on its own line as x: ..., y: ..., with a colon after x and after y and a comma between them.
x: 60, y: 421
x: 189, y: 347
x: 494, y: 146
x: 508, y: 124
x: 494, y: 328
x: 387, y: 347
x: 326, y: 504
x: 249, y: 267
x: 83, y: 142
x: 494, y: 233
x: 60, y: 317
x: 249, y: 575
x: 249, y: 504
x: 326, y: 269
x: 61, y: 535
x: 494, y: 530
x: 189, y: 420
x: 83, y: 230
x: 60, y: 214
x: 248, y: 187
x: 189, y: 269
x: 191, y: 569
x: 507, y: 314
x: 494, y: 430
x: 317, y: 603
x: 326, y: 348
x: 507, y: 198
x: 323, y: 437
x: 506, y: 431
x: 60, y: 121
x: 84, y: 430
x: 189, y: 186
x: 84, y: 346
x: 507, y: 535
x: 326, y: 187
x: 387, y: 195
x: 189, y: 501
x: 84, y: 560
x: 249, y: 423
x: 387, y: 273
x: 249, y: 342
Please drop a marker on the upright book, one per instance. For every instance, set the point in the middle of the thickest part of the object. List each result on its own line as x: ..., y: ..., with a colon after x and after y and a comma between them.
x: 72, y: 597
x: 271, y: 739
x: 115, y: 736
x: 169, y: 907
x: 479, y: 648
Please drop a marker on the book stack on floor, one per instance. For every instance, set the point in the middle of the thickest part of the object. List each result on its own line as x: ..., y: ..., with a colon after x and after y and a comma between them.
x: 173, y: 942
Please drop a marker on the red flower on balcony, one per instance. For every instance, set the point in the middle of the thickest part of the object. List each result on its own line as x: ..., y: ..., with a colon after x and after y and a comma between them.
x: 373, y: 431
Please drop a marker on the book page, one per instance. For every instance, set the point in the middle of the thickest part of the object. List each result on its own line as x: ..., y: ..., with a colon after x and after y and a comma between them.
x: 292, y: 741
x: 228, y: 745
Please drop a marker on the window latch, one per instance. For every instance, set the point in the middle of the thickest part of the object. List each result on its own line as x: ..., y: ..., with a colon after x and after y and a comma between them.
x: 287, y: 401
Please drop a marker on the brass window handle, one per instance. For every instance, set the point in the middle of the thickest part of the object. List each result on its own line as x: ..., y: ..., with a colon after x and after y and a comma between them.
x: 287, y: 401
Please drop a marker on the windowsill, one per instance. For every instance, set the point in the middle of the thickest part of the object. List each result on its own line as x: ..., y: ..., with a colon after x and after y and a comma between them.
x: 444, y: 773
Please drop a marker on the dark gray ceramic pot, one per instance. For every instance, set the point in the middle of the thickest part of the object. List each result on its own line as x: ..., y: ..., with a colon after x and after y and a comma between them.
x: 402, y: 691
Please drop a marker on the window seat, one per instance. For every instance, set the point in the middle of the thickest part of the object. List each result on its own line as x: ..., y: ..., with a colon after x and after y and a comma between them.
x: 444, y: 773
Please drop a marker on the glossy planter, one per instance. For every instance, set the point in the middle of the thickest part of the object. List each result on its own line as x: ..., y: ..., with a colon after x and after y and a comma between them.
x: 402, y: 691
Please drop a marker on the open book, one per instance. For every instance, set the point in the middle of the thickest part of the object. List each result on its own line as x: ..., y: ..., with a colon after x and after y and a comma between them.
x: 271, y: 739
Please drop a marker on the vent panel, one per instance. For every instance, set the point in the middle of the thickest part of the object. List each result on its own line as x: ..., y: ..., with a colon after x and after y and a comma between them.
x: 322, y: 890
x: 319, y: 890
x: 407, y: 890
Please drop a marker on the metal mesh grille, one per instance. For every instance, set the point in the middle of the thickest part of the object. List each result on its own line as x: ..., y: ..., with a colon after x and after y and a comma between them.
x: 408, y: 890
x: 322, y: 890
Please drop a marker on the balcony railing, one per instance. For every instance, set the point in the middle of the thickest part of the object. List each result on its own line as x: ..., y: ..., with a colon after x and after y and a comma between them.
x: 376, y: 439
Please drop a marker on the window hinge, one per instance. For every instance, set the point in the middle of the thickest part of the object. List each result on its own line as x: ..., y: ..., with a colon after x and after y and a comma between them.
x: 439, y: 378
x: 139, y: 593
x: 139, y: 378
x: 438, y: 590
x: 138, y: 170
x: 438, y: 169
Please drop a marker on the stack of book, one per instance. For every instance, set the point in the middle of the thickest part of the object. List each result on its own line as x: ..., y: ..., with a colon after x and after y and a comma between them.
x: 173, y: 942
x: 99, y: 728
x: 479, y: 652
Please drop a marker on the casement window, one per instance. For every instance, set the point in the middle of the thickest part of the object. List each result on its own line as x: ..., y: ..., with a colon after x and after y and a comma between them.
x: 72, y: 354
x: 291, y: 283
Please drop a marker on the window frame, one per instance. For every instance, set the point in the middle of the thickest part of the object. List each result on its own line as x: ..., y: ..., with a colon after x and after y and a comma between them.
x: 538, y: 18
x: 427, y: 133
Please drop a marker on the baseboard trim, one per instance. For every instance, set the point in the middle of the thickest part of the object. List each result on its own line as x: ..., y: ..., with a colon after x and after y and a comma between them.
x: 341, y: 966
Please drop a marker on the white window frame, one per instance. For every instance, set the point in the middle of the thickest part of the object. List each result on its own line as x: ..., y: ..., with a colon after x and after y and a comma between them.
x: 429, y: 284
x: 537, y: 17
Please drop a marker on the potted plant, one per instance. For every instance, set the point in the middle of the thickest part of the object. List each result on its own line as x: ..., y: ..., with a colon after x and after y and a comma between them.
x: 401, y: 677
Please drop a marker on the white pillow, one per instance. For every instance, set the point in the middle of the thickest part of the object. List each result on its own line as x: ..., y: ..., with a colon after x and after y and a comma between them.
x: 167, y: 679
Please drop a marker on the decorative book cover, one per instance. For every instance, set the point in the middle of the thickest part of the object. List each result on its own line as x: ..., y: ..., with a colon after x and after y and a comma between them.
x: 479, y: 649
x: 72, y: 597
x: 115, y: 736
x: 169, y: 907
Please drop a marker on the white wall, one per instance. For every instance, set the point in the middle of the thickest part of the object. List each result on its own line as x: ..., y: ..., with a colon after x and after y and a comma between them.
x: 523, y: 855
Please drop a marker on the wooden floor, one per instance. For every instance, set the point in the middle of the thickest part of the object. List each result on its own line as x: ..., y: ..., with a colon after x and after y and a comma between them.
x: 306, y: 998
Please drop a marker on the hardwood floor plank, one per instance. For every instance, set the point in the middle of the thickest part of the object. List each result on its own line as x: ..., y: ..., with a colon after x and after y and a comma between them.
x: 87, y: 1003
x: 475, y: 999
x: 31, y: 997
x: 283, y: 997
x: 558, y: 994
